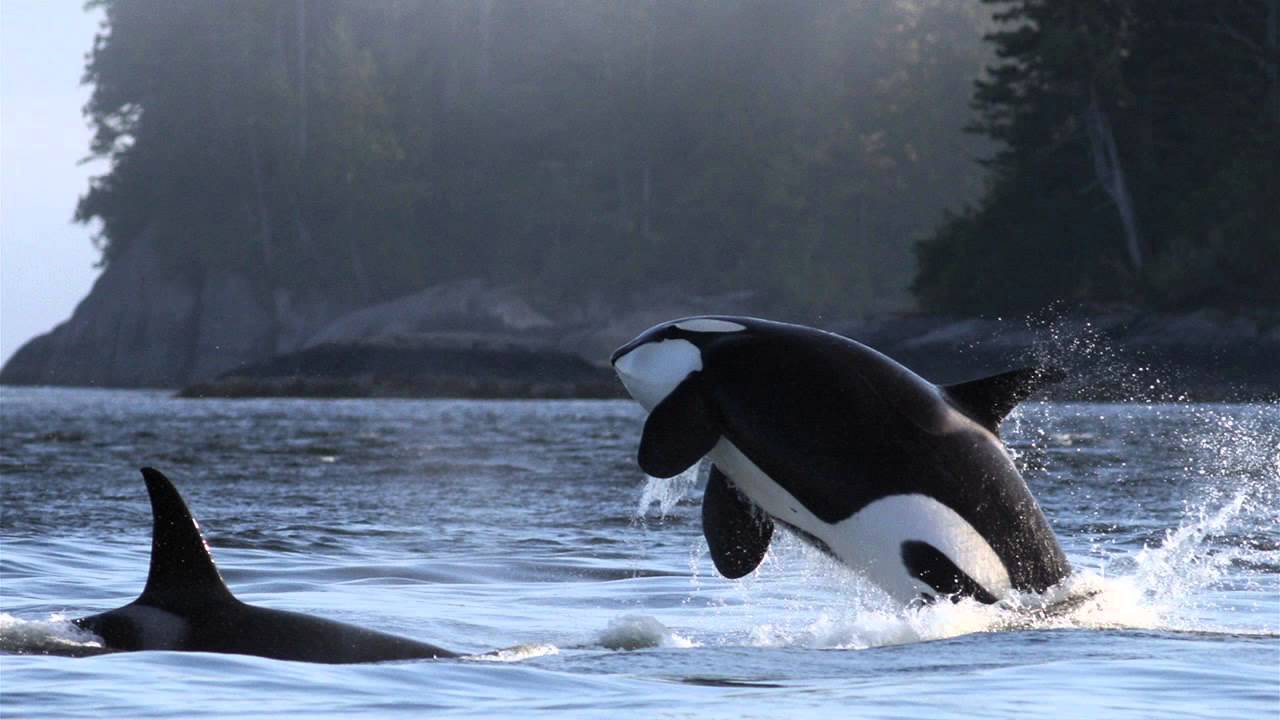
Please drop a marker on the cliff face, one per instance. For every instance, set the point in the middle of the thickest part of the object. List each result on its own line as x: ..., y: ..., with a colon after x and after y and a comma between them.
x: 148, y: 324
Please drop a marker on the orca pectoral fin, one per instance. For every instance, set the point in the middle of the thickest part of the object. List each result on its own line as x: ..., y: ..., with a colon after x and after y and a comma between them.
x: 737, y: 532
x: 988, y: 400
x: 678, y: 432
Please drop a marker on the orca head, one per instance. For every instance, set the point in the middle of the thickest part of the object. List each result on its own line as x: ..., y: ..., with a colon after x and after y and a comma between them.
x: 658, y: 360
x: 663, y: 370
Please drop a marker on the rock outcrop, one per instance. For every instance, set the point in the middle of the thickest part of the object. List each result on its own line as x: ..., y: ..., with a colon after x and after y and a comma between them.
x: 444, y: 365
x: 148, y: 323
x: 468, y: 339
x: 466, y: 305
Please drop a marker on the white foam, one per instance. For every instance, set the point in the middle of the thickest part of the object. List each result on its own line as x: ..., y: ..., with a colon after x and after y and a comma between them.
x: 1189, y: 579
x: 1161, y: 588
x: 55, y: 635
x: 516, y: 653
x: 636, y: 632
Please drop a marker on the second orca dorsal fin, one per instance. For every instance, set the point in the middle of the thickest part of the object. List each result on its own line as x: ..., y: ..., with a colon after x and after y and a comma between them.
x: 182, y: 570
x: 988, y: 400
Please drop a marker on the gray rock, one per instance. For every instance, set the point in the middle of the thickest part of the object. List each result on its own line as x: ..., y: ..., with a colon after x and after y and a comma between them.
x: 468, y: 304
x: 149, y: 323
x: 133, y: 329
x: 232, y: 327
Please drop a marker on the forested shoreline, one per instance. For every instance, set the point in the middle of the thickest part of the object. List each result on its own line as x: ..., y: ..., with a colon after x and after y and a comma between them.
x: 574, y: 169
x: 1138, y: 161
x: 369, y: 149
x: 800, y: 149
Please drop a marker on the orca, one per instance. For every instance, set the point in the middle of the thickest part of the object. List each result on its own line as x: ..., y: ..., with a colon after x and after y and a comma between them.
x: 905, y: 481
x: 185, y: 605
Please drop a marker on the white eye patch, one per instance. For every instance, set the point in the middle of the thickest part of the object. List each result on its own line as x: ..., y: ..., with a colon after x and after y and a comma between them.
x: 710, y: 325
x: 651, y: 371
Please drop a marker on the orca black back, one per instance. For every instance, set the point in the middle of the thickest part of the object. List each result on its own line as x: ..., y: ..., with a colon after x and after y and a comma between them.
x: 185, y: 605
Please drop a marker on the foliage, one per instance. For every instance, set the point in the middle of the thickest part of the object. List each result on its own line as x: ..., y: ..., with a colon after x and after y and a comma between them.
x: 366, y: 149
x: 1188, y: 92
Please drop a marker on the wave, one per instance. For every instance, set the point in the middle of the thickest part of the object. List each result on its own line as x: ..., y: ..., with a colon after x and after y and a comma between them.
x: 636, y: 632
x: 53, y: 636
x: 1216, y: 572
x: 516, y: 653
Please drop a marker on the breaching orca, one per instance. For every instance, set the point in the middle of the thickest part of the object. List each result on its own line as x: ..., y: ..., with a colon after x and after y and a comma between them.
x: 903, y: 480
x: 186, y: 606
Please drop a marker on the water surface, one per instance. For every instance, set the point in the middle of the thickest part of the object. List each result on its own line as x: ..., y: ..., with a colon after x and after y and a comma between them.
x: 526, y: 525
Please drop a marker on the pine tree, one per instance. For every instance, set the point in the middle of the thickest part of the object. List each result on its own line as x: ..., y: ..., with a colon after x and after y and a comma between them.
x: 1135, y: 153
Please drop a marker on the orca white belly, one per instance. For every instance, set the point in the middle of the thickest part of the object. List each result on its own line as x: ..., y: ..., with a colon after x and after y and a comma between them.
x: 870, y: 541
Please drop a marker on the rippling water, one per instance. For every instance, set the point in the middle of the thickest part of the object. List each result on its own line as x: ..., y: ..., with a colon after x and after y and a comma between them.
x: 526, y: 525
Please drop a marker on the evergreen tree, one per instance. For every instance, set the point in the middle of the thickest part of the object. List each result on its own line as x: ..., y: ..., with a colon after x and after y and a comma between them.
x: 1137, y: 160
x: 361, y: 150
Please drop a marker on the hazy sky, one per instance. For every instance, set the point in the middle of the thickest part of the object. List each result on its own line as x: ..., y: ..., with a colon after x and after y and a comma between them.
x: 46, y: 261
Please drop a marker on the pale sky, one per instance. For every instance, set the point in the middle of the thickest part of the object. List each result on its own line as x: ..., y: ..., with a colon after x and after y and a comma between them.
x: 46, y: 261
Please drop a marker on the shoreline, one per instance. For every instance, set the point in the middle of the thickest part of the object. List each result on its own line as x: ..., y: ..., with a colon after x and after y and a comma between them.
x: 1113, y: 356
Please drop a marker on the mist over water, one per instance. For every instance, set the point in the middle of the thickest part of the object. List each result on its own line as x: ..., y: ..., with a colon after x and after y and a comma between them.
x: 526, y: 526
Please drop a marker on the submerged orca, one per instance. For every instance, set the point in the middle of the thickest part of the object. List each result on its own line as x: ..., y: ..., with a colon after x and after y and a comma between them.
x: 903, y: 480
x: 186, y: 606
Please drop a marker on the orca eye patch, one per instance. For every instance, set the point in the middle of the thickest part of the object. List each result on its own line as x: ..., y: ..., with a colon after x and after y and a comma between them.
x: 927, y: 563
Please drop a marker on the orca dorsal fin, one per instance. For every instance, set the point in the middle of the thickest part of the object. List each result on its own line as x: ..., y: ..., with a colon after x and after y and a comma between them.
x: 988, y: 400
x: 182, y: 570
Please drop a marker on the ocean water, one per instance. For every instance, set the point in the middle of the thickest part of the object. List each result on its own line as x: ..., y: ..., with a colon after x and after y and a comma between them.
x: 527, y: 526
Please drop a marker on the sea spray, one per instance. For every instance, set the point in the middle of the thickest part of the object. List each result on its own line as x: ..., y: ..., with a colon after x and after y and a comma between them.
x: 1169, y: 583
x: 636, y: 632
x: 666, y: 493
x: 55, y: 635
x: 517, y: 653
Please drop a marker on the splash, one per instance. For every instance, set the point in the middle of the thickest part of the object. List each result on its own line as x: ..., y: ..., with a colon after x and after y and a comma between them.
x: 666, y: 494
x: 635, y: 632
x: 1215, y: 569
x: 517, y: 653
x: 862, y: 628
x: 1097, y: 367
x: 54, y: 636
x: 1168, y: 587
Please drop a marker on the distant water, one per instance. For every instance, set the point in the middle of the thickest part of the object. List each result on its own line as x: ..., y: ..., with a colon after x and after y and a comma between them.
x: 526, y: 525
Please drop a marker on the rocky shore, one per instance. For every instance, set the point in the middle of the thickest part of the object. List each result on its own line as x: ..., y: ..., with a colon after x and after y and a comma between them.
x: 440, y: 366
x: 1117, y: 356
x: 144, y: 326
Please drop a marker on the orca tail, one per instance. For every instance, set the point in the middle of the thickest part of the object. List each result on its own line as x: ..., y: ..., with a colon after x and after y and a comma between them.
x: 181, y: 567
